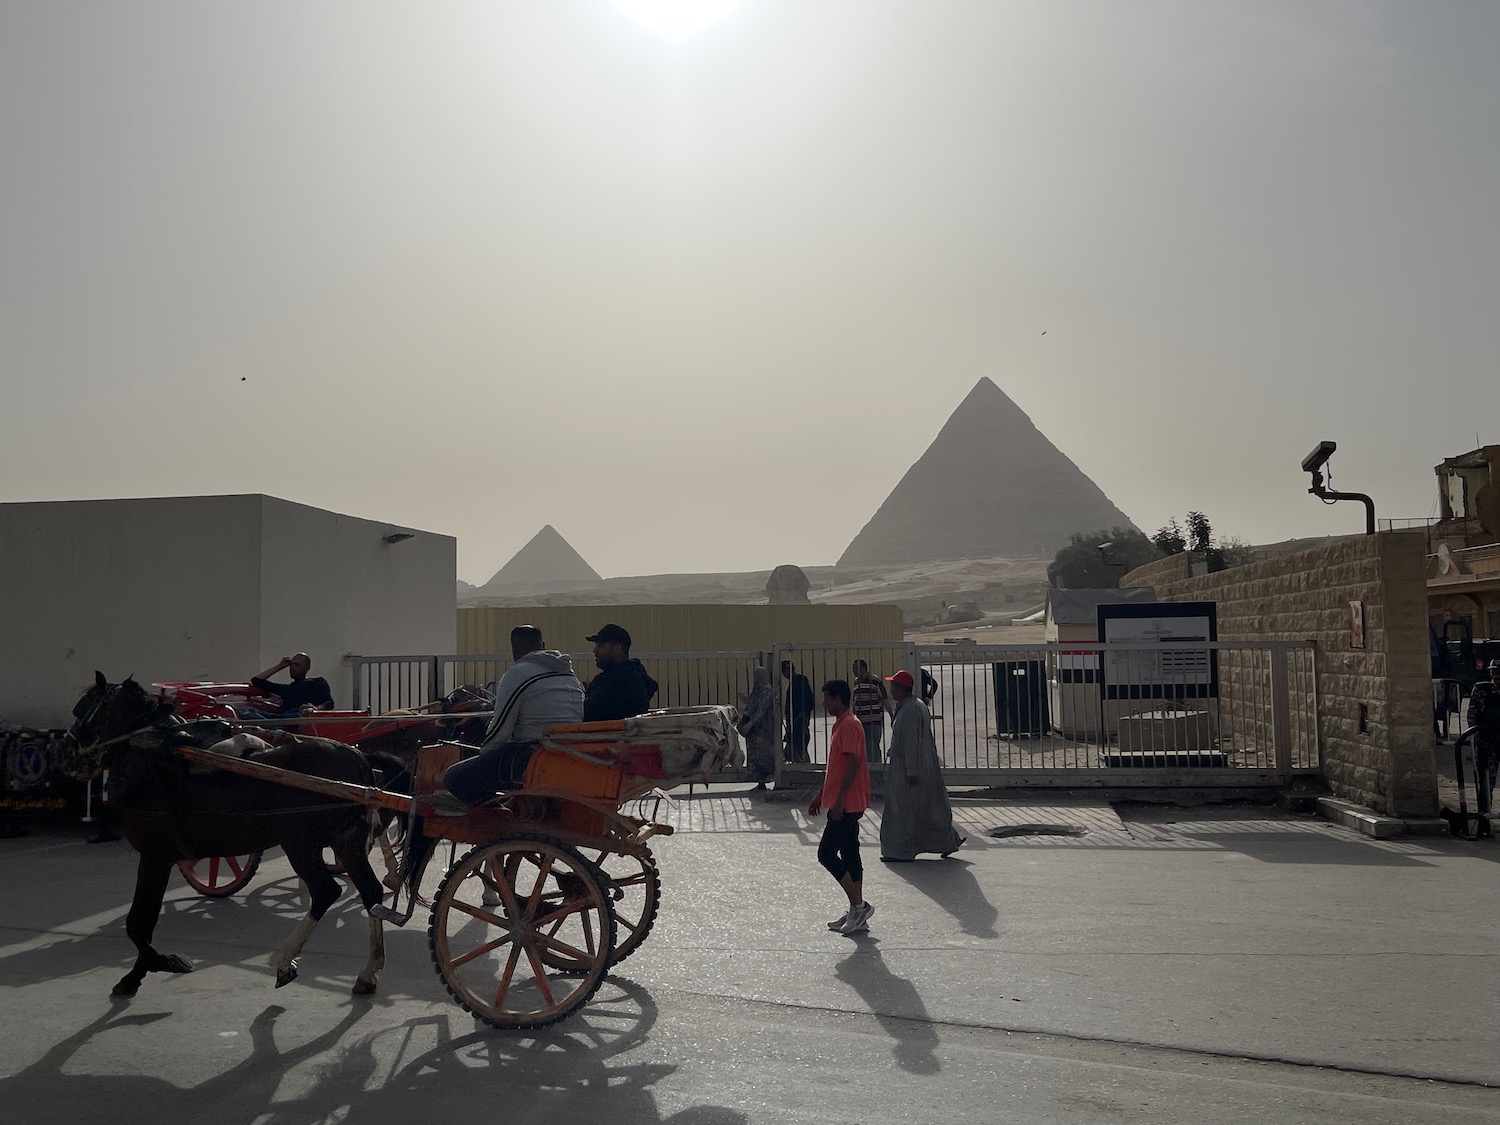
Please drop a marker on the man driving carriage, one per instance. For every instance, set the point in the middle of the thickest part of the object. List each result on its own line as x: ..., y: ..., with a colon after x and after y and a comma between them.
x: 539, y: 690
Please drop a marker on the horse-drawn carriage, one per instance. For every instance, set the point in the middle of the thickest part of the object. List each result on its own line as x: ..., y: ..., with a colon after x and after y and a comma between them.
x: 403, y: 732
x: 557, y: 885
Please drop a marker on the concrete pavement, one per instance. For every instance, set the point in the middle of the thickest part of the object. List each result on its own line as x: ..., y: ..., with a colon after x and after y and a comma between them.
x: 1169, y: 966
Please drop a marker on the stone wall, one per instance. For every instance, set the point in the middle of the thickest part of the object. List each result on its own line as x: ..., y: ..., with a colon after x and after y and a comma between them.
x: 1374, y: 704
x: 1170, y: 568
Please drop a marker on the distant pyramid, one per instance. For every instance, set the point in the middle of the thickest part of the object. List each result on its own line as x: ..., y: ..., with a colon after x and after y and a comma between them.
x: 990, y: 484
x: 547, y: 559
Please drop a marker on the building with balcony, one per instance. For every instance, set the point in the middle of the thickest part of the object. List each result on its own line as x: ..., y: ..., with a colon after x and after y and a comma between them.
x: 1463, y: 564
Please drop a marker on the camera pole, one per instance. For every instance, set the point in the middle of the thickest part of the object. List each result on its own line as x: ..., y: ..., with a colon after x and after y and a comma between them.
x: 1313, y: 463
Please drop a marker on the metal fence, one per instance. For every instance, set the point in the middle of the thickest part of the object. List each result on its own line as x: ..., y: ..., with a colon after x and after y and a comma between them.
x: 1062, y: 713
x: 685, y: 679
x: 1085, y: 713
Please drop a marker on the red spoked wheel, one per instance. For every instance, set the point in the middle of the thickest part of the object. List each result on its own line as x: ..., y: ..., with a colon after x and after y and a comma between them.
x: 634, y: 887
x: 539, y: 954
x: 218, y: 876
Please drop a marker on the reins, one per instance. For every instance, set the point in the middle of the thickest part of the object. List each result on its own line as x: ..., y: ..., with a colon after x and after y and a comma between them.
x: 91, y: 747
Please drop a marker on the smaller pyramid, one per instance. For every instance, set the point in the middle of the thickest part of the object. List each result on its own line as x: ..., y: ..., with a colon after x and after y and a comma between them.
x: 548, y: 559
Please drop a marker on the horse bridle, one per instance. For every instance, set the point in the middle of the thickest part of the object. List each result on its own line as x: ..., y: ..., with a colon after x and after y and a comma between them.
x: 81, y: 722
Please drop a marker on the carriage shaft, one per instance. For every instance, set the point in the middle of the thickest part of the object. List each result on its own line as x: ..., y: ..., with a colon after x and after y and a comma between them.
x: 367, y: 795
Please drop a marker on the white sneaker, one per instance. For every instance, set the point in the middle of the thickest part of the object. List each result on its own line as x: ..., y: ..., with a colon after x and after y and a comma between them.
x: 838, y: 923
x: 858, y: 921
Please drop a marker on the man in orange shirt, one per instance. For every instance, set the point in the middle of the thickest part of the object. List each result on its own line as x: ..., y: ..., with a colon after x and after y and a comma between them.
x: 846, y: 795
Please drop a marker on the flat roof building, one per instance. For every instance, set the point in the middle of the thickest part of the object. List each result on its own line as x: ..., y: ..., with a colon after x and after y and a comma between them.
x: 206, y: 588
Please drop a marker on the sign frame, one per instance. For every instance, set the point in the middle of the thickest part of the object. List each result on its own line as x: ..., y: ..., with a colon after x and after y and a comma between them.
x: 1142, y: 673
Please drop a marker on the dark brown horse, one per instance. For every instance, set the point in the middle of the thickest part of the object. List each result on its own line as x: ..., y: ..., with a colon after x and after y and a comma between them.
x: 171, y: 812
x: 448, y: 724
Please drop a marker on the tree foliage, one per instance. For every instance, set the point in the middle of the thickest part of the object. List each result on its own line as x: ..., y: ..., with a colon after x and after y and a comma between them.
x: 1200, y: 531
x: 1199, y: 538
x: 1081, y: 565
x: 1169, y: 540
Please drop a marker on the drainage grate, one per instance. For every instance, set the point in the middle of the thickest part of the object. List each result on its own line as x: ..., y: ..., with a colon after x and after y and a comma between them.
x: 1038, y: 830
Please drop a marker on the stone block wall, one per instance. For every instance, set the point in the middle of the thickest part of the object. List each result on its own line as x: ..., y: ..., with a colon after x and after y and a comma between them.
x: 1170, y: 568
x: 1382, y: 757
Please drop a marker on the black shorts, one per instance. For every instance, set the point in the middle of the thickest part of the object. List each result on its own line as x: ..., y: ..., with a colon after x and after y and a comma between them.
x: 838, y: 851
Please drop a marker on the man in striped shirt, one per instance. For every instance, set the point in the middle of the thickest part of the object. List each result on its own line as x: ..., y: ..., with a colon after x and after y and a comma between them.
x: 869, y: 708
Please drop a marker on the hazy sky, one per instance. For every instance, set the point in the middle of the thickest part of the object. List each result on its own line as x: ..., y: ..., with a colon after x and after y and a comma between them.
x: 700, y: 300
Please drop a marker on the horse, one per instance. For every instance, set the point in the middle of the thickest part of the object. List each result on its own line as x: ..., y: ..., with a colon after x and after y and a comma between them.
x: 448, y: 723
x: 170, y: 811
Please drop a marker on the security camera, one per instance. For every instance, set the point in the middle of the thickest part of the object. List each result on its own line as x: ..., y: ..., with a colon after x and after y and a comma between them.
x: 1319, y: 456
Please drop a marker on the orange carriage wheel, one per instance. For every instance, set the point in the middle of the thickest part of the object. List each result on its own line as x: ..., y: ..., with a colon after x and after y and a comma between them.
x: 541, y: 952
x: 219, y: 876
x: 634, y: 887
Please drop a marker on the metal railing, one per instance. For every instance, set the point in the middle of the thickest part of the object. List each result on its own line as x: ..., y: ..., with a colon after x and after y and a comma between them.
x: 685, y: 679
x: 1425, y: 524
x: 1060, y: 713
x: 1106, y: 714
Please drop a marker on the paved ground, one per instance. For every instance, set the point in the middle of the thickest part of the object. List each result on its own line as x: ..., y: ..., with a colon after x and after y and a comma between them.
x: 1168, y: 966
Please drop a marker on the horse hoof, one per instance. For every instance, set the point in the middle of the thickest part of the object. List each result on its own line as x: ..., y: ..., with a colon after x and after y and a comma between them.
x: 175, y: 963
x: 126, y: 989
x: 285, y: 977
x: 364, y: 988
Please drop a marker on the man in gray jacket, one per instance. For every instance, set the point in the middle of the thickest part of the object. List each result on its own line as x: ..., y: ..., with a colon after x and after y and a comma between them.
x: 538, y: 691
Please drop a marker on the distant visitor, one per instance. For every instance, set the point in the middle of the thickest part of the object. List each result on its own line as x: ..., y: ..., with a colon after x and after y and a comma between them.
x: 800, y: 702
x: 757, y: 726
x: 870, y: 700
x: 1484, y: 717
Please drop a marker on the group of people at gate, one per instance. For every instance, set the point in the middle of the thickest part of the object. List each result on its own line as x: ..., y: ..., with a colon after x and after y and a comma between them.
x: 917, y: 817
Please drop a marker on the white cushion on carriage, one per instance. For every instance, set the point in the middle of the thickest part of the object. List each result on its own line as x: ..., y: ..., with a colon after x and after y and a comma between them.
x: 694, y: 741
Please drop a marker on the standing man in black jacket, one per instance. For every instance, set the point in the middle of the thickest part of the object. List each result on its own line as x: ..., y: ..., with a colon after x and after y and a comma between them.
x: 799, y: 702
x: 1484, y: 717
x: 623, y: 688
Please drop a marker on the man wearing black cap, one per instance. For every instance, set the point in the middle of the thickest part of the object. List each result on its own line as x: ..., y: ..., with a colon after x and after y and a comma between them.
x: 623, y: 687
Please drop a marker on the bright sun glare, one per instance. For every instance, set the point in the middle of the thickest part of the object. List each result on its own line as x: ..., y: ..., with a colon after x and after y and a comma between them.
x: 676, y: 17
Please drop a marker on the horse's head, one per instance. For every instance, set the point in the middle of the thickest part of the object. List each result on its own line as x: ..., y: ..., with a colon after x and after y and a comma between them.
x: 467, y: 697
x: 103, y: 717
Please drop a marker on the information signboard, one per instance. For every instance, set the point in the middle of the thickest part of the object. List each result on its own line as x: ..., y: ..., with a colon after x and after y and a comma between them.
x: 1169, y: 666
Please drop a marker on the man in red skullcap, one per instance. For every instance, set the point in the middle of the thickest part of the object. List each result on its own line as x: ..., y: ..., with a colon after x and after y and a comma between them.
x: 917, y: 816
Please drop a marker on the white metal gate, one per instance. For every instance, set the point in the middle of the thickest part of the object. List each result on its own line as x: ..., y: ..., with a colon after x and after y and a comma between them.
x: 1061, y: 714
x: 1093, y: 714
x: 685, y: 679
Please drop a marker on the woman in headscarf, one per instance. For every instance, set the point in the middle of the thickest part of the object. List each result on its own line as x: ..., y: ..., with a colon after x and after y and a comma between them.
x: 757, y: 726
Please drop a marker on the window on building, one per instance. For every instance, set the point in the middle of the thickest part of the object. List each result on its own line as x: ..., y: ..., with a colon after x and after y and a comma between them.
x: 1492, y: 623
x: 1454, y: 490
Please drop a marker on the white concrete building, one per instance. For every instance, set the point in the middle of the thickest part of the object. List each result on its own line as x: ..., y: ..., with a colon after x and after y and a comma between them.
x: 206, y: 587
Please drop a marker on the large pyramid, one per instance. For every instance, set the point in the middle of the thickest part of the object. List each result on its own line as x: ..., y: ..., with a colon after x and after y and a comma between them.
x: 990, y: 484
x: 548, y: 558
